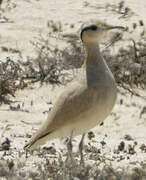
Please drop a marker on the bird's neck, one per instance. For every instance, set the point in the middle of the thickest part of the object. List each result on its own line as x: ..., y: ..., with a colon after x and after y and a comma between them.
x: 95, y: 65
x: 93, y: 55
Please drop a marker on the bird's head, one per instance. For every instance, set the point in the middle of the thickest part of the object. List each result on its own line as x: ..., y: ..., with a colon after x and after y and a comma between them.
x: 96, y: 31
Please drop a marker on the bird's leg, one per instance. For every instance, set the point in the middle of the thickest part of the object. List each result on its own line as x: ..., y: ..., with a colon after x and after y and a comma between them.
x: 69, y: 147
x: 81, y: 144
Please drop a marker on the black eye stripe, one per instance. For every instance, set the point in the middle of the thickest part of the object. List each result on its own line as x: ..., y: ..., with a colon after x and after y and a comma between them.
x: 92, y: 27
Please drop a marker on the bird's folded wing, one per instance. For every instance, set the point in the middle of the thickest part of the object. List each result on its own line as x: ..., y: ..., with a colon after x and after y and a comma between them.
x: 74, y: 101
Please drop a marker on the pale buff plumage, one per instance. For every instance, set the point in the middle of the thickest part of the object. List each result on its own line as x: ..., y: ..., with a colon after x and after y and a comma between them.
x: 87, y: 100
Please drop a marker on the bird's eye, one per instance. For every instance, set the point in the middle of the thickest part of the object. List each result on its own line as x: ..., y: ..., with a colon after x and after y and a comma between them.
x: 93, y: 27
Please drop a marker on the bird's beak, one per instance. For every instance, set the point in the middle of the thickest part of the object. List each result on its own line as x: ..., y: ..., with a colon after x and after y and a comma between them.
x: 116, y: 27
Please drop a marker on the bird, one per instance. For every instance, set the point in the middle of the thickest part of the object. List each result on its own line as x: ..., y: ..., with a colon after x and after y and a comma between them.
x: 87, y: 100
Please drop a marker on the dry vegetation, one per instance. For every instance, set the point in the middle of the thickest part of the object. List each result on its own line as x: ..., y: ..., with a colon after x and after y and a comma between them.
x: 58, y: 171
x: 128, y: 65
x: 13, y: 164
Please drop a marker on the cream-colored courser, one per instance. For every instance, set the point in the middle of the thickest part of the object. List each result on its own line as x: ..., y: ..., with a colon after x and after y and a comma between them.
x: 88, y: 99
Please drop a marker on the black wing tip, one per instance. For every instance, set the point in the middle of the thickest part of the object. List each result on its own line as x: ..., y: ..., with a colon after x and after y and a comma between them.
x: 26, y: 146
x: 31, y: 143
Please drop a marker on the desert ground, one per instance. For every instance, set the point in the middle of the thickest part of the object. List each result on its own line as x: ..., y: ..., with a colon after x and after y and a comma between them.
x: 114, y: 151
